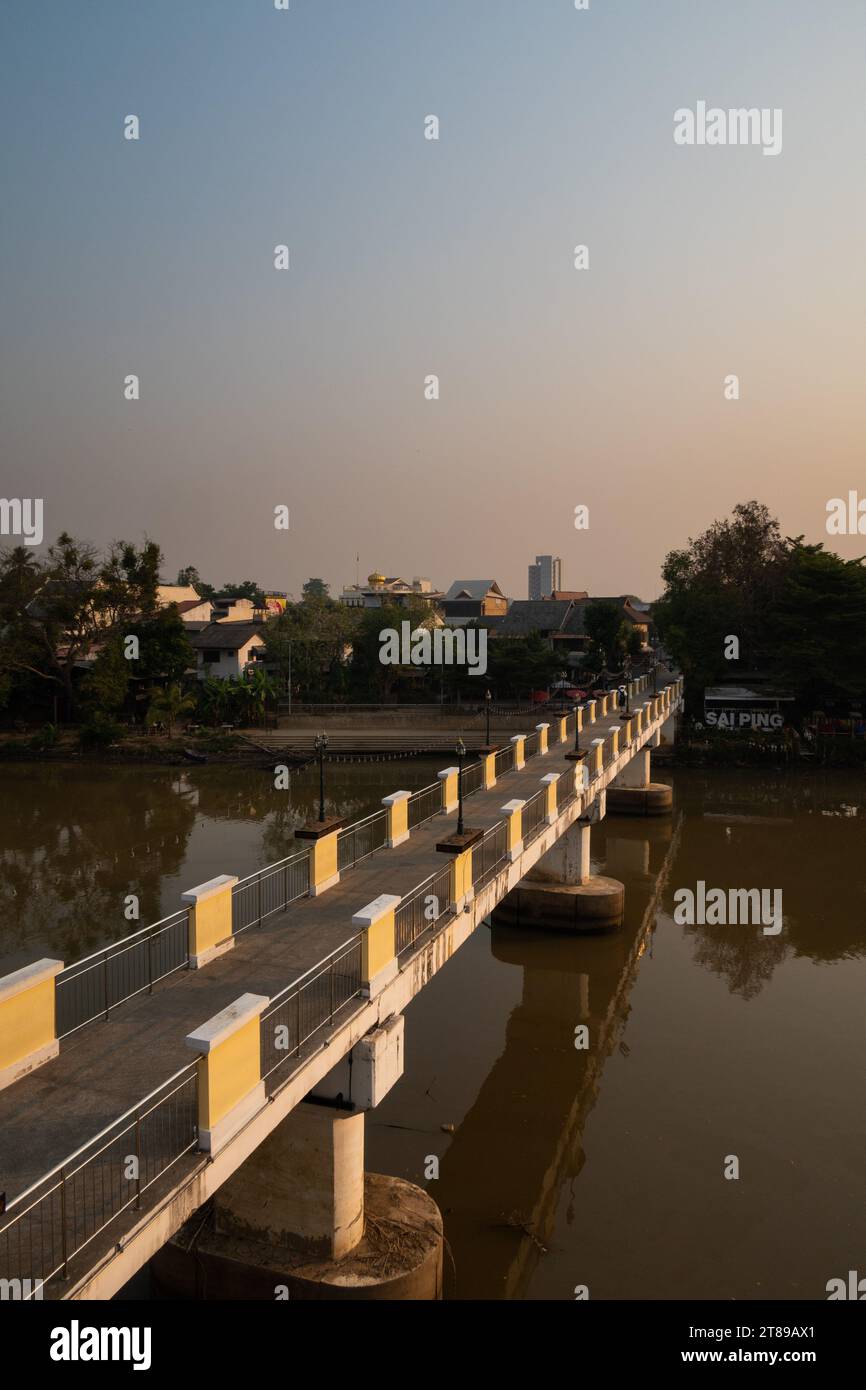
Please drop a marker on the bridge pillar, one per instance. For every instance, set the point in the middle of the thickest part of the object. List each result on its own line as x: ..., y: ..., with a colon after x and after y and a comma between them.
x: 210, y: 919
x: 633, y: 794
x: 230, y: 1085
x: 489, y: 763
x: 300, y: 1219
x: 324, y: 861
x: 397, y: 806
x: 448, y: 778
x: 614, y: 740
x: 595, y: 761
x: 590, y: 707
x: 550, y: 784
x: 519, y: 743
x: 513, y: 811
x: 542, y: 730
x: 28, y: 1031
x: 461, y: 889
x: 560, y: 893
x: 378, y: 945
x: 562, y: 734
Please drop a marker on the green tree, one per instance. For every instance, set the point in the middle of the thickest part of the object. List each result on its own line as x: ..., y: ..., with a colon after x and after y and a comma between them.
x: 608, y: 634
x: 724, y: 583
x: 168, y: 703
x: 56, y: 612
x: 315, y: 588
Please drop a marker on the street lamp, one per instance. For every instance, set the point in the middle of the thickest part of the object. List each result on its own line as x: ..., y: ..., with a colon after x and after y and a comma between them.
x: 461, y: 754
x: 487, y: 699
x: 321, y: 745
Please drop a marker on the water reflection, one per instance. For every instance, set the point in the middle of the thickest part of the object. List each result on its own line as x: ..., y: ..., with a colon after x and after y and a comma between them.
x: 76, y: 840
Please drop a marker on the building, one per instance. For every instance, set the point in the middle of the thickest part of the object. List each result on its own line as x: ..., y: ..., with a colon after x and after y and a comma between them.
x: 574, y: 594
x: 561, y: 622
x: 382, y: 592
x: 545, y: 576
x: 468, y: 599
x: 176, y: 593
x: 233, y: 610
x: 226, y: 649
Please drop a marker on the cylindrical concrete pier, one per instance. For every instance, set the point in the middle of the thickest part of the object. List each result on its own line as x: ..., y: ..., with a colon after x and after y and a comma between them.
x: 655, y: 799
x: 398, y: 1257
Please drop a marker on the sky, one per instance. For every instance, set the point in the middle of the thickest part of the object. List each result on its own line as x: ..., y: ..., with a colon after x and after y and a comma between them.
x: 408, y: 257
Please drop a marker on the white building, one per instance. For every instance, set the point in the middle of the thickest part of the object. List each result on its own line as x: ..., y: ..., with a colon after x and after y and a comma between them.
x: 227, y: 649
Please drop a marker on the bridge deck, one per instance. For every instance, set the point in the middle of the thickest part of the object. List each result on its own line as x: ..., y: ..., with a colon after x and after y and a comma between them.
x: 108, y: 1067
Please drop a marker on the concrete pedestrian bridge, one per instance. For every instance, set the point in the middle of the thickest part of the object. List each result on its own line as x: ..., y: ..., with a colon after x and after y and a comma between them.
x: 232, y: 1049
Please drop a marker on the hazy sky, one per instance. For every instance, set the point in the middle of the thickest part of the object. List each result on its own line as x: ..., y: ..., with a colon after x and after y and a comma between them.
x: 411, y: 257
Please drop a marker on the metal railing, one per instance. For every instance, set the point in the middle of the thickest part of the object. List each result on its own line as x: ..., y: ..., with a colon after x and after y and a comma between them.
x: 490, y: 855
x: 303, y: 1008
x: 533, y: 815
x: 92, y: 987
x: 421, y: 908
x: 64, y: 1211
x: 359, y: 841
x: 530, y: 744
x: 425, y: 804
x: 473, y: 778
x: 504, y: 760
x: 270, y: 890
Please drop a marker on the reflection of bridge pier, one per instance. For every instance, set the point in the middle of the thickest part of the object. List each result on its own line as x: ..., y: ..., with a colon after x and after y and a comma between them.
x: 501, y: 1178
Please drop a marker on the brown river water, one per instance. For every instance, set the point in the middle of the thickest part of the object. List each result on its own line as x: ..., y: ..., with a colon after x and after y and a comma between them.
x: 558, y: 1167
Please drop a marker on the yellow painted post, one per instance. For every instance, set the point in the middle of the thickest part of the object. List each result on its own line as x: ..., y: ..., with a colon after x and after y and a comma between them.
x: 28, y: 1030
x: 563, y: 729
x: 209, y: 931
x: 448, y: 778
x: 614, y: 701
x: 378, y: 942
x: 489, y: 761
x: 614, y: 740
x: 397, y: 806
x: 462, y: 890
x: 603, y: 706
x: 549, y: 783
x: 519, y: 742
x: 596, y: 757
x: 324, y: 870
x: 542, y: 730
x: 638, y: 723
x: 230, y: 1085
x: 626, y: 732
x: 590, y: 705
x: 513, y: 812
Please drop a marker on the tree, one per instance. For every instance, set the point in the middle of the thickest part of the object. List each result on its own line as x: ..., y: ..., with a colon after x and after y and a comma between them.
x: 169, y: 703
x: 723, y: 584
x: 247, y: 588
x: 608, y: 633
x: 55, y: 612
x: 819, y: 626
x: 259, y: 688
x: 189, y: 577
x: 315, y: 588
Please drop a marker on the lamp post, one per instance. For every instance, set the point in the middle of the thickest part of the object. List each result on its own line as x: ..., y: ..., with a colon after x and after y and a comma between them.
x: 321, y: 745
x: 487, y: 699
x: 461, y: 754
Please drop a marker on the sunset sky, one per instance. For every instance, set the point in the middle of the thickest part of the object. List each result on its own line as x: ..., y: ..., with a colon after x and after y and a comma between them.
x: 411, y: 257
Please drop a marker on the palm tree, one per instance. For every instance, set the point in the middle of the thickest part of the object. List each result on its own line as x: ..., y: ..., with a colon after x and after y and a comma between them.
x: 258, y: 688
x: 169, y: 703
